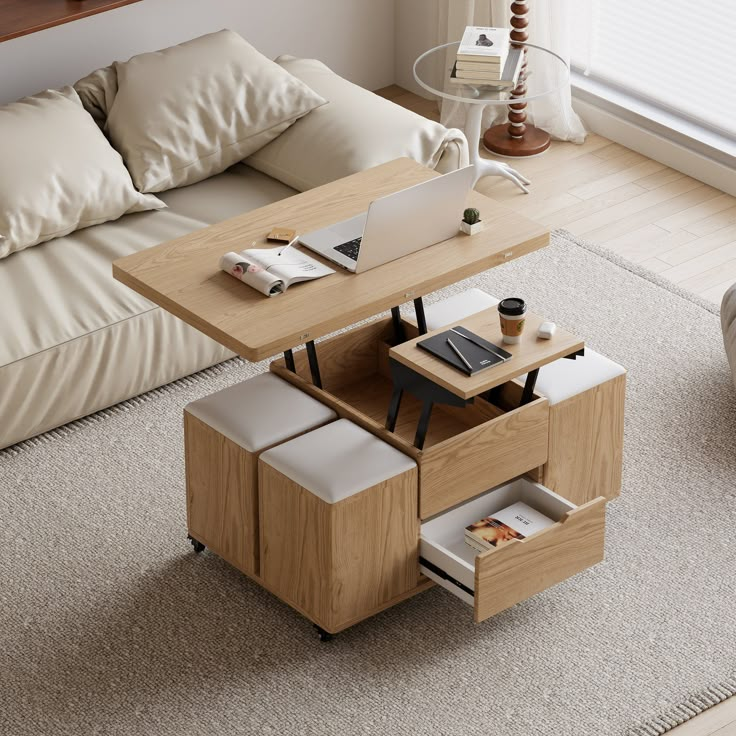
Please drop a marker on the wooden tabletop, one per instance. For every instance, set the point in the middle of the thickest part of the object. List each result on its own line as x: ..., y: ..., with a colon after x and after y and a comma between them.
x: 183, y: 276
x: 532, y: 352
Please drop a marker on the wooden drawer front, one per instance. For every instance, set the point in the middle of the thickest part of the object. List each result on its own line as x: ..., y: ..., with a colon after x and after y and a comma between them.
x: 498, y: 579
x: 484, y: 456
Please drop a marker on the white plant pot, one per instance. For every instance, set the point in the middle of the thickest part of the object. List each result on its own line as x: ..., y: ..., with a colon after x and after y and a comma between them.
x: 471, y: 229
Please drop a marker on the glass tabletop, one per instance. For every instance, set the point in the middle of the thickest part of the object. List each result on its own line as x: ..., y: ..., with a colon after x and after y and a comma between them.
x: 546, y: 71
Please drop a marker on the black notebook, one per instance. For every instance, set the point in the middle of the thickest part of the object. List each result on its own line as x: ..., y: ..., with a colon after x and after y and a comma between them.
x: 479, y: 353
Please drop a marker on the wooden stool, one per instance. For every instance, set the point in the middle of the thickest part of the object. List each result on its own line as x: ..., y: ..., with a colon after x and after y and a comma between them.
x: 586, y: 426
x: 457, y: 306
x: 223, y: 435
x: 339, y: 524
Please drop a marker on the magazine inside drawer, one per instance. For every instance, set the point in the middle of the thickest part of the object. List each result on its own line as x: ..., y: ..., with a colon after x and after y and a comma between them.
x: 493, y: 580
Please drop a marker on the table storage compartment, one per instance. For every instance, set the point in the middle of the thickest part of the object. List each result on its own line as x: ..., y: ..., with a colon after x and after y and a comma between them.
x: 495, y: 580
x: 467, y: 450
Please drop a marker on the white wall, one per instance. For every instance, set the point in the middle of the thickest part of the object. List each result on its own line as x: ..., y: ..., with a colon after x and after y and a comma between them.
x: 354, y: 37
x: 416, y: 31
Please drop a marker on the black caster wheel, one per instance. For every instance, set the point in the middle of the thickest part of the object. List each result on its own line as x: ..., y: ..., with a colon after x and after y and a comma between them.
x: 324, y: 635
x: 198, y: 546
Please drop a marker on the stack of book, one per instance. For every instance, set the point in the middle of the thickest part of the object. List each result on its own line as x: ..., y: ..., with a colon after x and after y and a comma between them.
x: 517, y: 521
x: 485, y: 57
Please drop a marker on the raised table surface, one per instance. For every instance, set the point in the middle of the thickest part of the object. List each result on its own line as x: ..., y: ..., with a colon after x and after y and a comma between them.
x: 183, y: 276
x: 531, y: 353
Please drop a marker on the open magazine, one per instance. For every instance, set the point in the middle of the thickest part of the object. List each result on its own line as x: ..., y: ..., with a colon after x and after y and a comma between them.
x: 273, y: 270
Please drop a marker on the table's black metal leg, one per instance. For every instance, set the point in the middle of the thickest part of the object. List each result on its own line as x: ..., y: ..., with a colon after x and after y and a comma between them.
x: 314, y: 364
x: 399, y: 332
x: 429, y: 393
x: 423, y: 425
x: 493, y: 396
x: 289, y: 360
x: 531, y: 381
x: 421, y: 319
x: 393, y: 408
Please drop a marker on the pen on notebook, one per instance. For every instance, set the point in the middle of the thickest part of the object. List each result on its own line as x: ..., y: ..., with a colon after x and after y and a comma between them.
x: 459, y: 354
x: 475, y: 342
x: 288, y: 245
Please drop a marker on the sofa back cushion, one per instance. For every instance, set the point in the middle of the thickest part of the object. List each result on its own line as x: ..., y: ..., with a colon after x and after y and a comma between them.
x: 58, y: 173
x: 97, y: 92
x: 190, y: 111
x: 354, y: 131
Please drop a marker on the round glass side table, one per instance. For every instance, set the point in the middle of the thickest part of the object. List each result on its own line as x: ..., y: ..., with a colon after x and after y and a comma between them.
x: 432, y: 72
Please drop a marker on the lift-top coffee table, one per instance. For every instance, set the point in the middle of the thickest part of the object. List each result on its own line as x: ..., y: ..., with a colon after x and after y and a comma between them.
x: 349, y: 372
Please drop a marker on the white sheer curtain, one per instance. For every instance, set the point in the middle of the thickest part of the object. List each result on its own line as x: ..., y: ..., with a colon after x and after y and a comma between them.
x: 550, y: 24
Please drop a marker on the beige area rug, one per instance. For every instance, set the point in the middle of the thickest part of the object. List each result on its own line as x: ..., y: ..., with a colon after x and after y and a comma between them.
x: 111, y: 625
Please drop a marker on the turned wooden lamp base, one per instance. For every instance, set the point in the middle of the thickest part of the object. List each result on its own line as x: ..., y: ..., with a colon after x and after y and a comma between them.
x: 497, y: 140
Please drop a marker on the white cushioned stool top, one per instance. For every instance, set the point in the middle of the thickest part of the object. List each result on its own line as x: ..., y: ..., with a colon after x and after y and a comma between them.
x: 260, y: 412
x: 457, y: 306
x: 337, y: 460
x: 565, y: 378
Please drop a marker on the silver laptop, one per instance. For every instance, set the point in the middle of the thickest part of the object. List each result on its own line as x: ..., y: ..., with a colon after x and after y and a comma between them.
x: 397, y: 224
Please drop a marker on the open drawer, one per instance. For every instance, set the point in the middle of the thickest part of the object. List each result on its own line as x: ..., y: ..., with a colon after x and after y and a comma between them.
x: 494, y: 580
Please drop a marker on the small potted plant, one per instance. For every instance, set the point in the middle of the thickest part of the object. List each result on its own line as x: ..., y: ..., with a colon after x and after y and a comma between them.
x: 471, y: 223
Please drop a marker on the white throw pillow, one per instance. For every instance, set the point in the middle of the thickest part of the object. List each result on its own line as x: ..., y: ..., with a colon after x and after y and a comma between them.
x: 190, y: 111
x: 354, y: 131
x: 58, y: 173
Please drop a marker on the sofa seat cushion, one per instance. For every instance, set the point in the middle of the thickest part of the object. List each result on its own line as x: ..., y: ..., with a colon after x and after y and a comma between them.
x: 82, y: 341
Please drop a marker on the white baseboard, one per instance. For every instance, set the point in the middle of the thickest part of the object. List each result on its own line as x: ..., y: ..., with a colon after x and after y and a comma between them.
x: 694, y: 156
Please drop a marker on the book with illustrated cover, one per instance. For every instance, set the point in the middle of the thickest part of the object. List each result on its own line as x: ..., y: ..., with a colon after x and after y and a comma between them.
x: 482, y: 42
x: 517, y: 521
x: 273, y: 270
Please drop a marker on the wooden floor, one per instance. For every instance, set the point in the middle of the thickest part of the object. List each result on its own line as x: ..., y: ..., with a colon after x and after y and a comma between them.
x: 650, y: 214
x: 653, y: 215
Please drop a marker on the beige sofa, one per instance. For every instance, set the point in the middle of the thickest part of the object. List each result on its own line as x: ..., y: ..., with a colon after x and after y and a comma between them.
x: 75, y: 341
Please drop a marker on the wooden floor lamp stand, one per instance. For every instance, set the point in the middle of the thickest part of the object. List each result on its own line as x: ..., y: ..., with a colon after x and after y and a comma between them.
x: 517, y: 138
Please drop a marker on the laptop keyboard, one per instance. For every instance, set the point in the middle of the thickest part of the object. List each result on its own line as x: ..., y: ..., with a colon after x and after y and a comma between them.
x: 350, y: 249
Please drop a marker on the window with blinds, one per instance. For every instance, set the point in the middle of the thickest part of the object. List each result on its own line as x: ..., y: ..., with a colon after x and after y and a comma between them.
x: 677, y: 54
